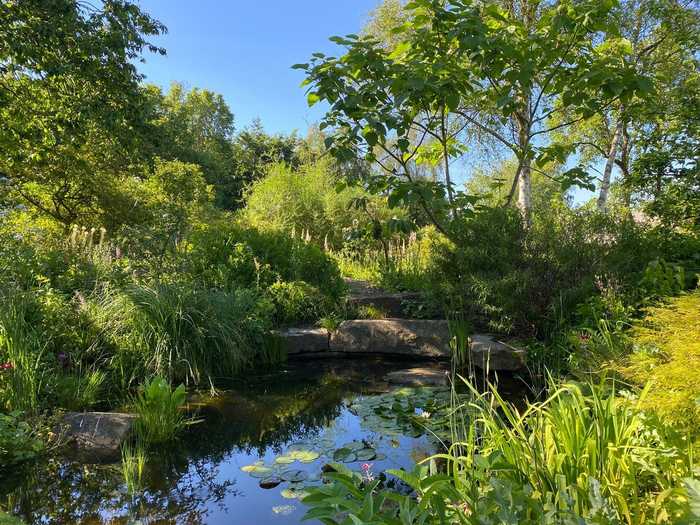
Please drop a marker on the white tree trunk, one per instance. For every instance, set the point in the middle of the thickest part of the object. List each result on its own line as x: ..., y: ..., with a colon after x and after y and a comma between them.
x: 609, y: 163
x: 525, y: 192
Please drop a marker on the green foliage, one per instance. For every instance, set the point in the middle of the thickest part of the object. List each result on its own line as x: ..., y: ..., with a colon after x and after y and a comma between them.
x: 70, y: 101
x: 178, y: 331
x: 21, y: 352
x: 297, y: 301
x: 18, y: 440
x: 79, y: 391
x: 133, y: 466
x: 308, y: 203
x: 581, y: 456
x: 225, y: 254
x: 160, y: 415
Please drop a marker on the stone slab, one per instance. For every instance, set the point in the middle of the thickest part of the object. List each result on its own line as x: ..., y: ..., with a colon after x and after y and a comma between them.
x: 97, y: 436
x: 304, y: 340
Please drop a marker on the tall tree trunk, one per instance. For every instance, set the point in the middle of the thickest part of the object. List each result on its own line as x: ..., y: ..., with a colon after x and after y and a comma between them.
x: 446, y: 158
x: 525, y: 171
x: 609, y: 163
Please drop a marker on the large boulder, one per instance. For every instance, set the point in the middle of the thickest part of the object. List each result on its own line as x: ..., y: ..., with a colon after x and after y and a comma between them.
x: 418, y: 338
x: 489, y: 353
x: 304, y: 340
x: 97, y: 436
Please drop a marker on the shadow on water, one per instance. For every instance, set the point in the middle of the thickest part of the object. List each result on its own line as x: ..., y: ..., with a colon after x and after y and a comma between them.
x: 316, y: 407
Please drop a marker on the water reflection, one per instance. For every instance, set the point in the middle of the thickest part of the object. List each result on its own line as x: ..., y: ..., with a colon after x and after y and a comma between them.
x: 199, y: 481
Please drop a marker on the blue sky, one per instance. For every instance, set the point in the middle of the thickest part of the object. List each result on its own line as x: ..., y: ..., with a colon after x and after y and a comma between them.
x: 244, y: 50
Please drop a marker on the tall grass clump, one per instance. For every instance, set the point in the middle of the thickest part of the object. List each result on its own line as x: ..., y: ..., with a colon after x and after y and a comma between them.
x: 159, y: 409
x: 21, y: 351
x: 133, y: 466
x: 582, y: 456
x: 179, y: 331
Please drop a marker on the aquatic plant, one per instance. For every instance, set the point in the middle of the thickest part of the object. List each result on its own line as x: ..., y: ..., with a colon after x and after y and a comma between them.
x: 584, y: 455
x: 133, y: 466
x: 159, y: 409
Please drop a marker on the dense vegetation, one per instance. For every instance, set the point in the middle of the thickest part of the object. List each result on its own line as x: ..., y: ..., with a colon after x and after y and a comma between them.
x: 145, y: 242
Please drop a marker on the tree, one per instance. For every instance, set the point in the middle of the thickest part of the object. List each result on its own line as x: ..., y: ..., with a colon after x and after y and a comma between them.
x: 196, y: 127
x: 659, y: 39
x: 70, y: 101
x: 462, y: 69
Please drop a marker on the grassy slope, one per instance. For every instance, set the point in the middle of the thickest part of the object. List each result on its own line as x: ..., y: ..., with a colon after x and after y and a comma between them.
x: 667, y: 353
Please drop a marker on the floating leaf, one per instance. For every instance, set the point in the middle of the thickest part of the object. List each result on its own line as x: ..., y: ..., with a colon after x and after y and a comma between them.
x: 341, y: 454
x: 354, y: 445
x: 366, y: 454
x: 270, y: 482
x: 257, y: 470
x: 285, y: 460
x: 294, y: 475
x: 293, y: 493
x: 305, y: 456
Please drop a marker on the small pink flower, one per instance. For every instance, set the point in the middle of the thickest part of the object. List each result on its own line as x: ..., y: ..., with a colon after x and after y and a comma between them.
x: 366, y: 467
x: 7, y: 366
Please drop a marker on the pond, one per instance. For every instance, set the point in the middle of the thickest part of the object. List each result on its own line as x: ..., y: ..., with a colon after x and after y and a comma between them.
x: 274, y: 430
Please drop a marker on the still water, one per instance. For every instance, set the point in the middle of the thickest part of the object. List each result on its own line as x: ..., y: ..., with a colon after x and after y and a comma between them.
x: 259, y: 430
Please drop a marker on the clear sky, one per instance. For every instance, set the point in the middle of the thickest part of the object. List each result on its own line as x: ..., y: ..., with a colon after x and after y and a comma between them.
x: 245, y: 49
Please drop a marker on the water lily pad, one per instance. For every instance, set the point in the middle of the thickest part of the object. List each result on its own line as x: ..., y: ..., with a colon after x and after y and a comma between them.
x: 285, y: 460
x: 299, y: 445
x: 354, y: 445
x: 380, y: 457
x: 292, y: 493
x: 366, y: 454
x: 305, y: 456
x: 270, y: 482
x: 294, y: 475
x: 257, y: 470
x: 342, y: 453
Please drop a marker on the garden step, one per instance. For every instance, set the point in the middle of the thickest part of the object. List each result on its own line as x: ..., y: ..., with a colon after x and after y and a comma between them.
x: 97, y: 436
x: 401, y: 337
x: 363, y: 294
x: 305, y: 340
x: 407, y: 337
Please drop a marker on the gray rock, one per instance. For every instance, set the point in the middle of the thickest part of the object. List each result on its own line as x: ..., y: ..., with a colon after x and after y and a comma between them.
x: 97, y: 436
x: 420, y: 338
x: 304, y: 340
x: 417, y: 377
x: 488, y: 353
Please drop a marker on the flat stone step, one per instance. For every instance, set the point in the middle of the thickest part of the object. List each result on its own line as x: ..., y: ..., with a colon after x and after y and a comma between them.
x: 406, y: 337
x: 305, y: 340
x: 400, y: 337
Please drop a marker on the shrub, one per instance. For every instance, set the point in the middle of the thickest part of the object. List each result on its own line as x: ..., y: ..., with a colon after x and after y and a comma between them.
x: 226, y: 255
x: 508, y: 279
x: 307, y: 202
x: 297, y: 301
x: 18, y: 442
x: 159, y: 409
